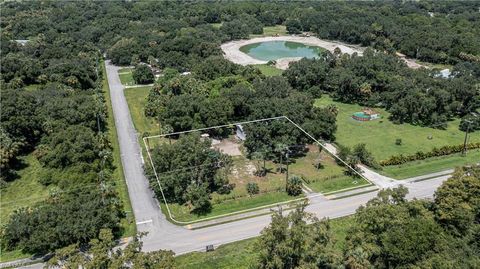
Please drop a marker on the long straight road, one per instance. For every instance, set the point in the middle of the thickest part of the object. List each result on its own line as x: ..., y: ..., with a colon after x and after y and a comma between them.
x: 148, y: 216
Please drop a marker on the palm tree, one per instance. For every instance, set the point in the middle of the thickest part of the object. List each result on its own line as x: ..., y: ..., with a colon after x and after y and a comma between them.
x: 281, y: 149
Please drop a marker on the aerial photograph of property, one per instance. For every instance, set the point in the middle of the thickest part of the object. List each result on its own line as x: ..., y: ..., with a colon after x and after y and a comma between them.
x: 239, y: 134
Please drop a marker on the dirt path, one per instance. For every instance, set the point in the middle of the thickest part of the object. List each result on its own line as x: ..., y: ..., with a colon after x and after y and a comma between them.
x: 232, y: 51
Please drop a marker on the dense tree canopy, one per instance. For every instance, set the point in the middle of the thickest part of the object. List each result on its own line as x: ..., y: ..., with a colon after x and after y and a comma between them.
x: 53, y: 106
x: 388, y: 232
x: 189, y: 170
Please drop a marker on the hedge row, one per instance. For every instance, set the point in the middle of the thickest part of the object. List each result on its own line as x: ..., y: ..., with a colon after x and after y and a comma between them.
x: 420, y: 155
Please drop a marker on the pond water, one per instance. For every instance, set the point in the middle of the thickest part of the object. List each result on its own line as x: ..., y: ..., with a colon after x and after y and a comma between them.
x: 273, y: 50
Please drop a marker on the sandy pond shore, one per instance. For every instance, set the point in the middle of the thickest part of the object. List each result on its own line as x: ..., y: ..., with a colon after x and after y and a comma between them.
x: 232, y: 51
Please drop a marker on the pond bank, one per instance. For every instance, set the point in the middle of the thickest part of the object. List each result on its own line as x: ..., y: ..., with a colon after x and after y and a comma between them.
x: 232, y: 51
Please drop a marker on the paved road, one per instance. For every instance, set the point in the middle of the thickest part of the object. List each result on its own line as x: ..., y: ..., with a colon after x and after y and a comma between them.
x: 164, y: 235
x: 148, y: 215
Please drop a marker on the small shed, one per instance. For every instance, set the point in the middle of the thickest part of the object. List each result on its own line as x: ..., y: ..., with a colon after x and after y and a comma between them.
x: 371, y: 113
x: 240, y: 133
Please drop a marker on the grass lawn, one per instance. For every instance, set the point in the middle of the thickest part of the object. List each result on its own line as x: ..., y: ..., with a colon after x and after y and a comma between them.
x: 269, y: 70
x: 243, y: 254
x: 182, y: 213
x: 380, y: 135
x: 25, y: 191
x: 431, y: 165
x: 136, y: 99
x: 126, y: 77
x: 329, y: 178
x: 127, y: 224
x: 271, y: 188
x: 272, y: 31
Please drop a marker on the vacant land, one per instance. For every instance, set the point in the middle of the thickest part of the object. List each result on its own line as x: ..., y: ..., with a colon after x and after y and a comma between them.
x: 272, y: 31
x: 126, y: 76
x: 136, y: 99
x: 269, y: 70
x: 418, y: 168
x: 380, y: 135
x: 24, y: 191
x: 330, y: 177
x: 242, y: 254
x: 271, y: 189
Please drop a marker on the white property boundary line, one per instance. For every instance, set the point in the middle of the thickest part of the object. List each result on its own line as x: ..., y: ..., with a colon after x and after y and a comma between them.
x: 245, y: 210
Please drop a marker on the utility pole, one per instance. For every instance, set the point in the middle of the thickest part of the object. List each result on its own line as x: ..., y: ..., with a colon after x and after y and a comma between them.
x: 287, y: 167
x: 466, y: 133
x: 465, y: 140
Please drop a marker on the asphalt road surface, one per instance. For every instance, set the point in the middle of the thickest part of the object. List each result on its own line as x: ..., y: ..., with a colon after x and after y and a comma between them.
x: 164, y: 235
x: 148, y: 215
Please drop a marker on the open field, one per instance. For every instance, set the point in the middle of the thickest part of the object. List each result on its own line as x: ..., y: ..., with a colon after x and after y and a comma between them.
x: 128, y: 223
x: 242, y: 254
x: 136, y: 99
x: 25, y: 190
x: 330, y: 177
x: 126, y: 77
x: 269, y: 70
x: 380, y: 135
x: 271, y: 190
x: 418, y: 168
x: 271, y: 186
x: 272, y: 31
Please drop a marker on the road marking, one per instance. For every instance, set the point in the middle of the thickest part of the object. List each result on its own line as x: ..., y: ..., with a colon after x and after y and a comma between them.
x: 144, y: 222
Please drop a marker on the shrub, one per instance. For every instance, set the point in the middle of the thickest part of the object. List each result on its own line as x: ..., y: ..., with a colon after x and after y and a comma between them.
x: 252, y: 188
x: 294, y: 186
x: 420, y: 155
x: 143, y: 74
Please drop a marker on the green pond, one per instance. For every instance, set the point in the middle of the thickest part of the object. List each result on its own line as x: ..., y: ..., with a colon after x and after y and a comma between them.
x: 273, y: 50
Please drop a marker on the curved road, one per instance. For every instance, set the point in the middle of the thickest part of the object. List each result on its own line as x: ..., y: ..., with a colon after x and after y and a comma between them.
x: 164, y: 235
x: 148, y: 216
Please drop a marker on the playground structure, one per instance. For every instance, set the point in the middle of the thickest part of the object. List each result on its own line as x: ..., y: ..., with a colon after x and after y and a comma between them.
x: 367, y: 114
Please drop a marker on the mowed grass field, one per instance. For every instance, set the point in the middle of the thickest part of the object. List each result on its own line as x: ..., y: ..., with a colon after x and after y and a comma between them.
x: 272, y: 31
x: 136, y: 99
x: 431, y: 165
x: 268, y: 70
x: 380, y: 135
x: 126, y: 77
x: 330, y: 177
x: 243, y: 254
x: 23, y: 191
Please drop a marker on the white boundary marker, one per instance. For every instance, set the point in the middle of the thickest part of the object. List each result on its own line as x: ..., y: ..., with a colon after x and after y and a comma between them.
x: 250, y: 209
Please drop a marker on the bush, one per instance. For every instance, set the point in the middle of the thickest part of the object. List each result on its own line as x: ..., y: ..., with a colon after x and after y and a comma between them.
x: 294, y: 186
x: 143, y: 74
x: 420, y: 155
x: 252, y: 188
